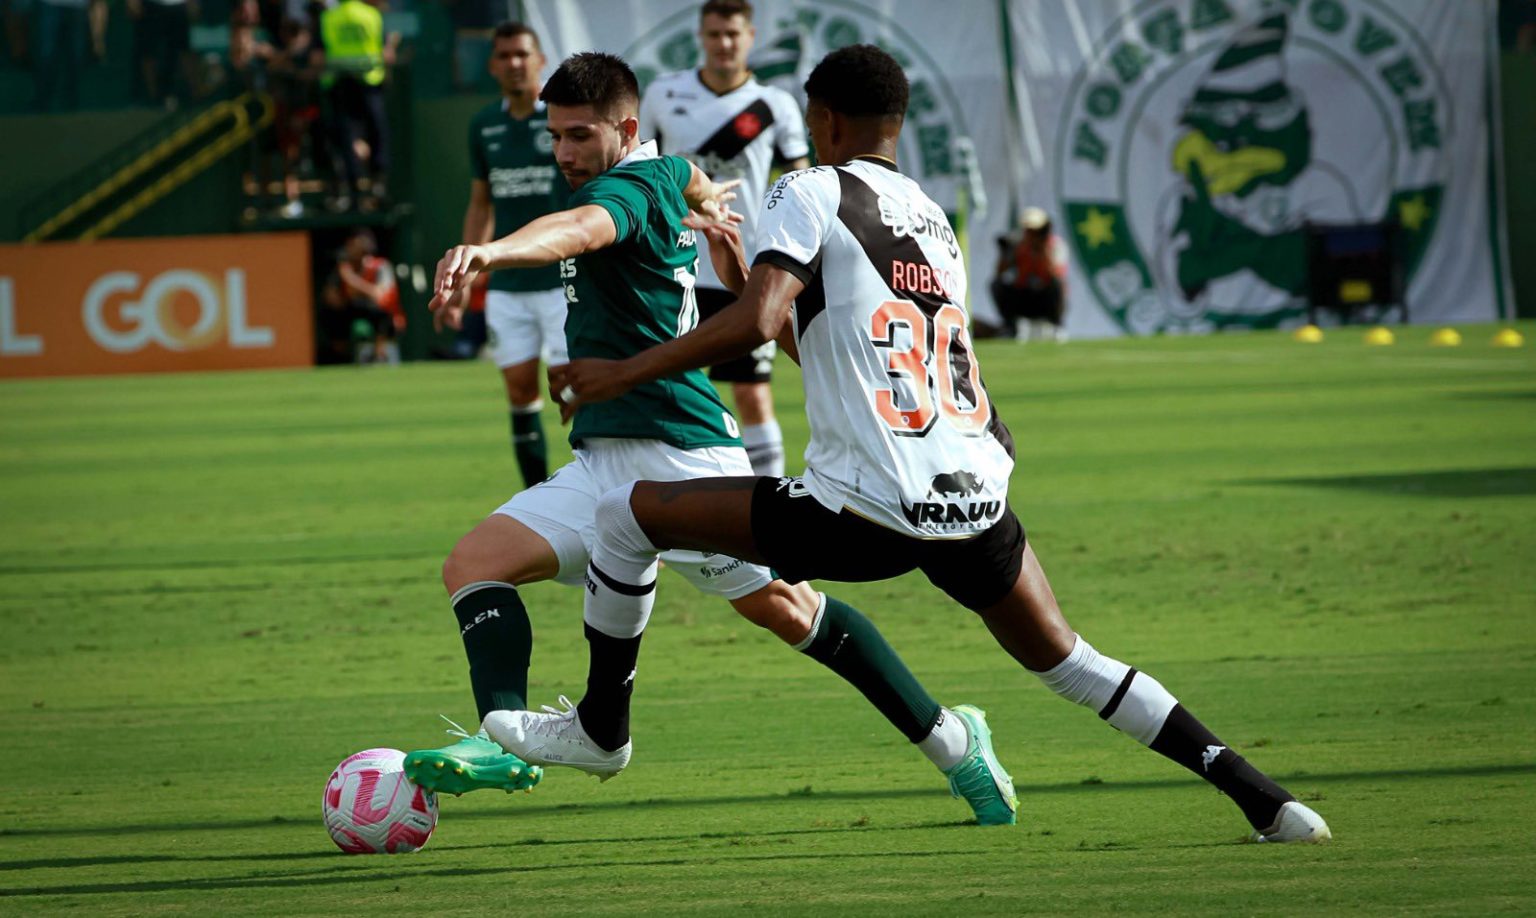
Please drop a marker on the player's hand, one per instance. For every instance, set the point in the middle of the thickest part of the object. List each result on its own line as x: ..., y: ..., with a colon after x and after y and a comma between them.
x: 715, y: 204
x: 588, y: 380
x: 727, y: 252
x: 456, y: 272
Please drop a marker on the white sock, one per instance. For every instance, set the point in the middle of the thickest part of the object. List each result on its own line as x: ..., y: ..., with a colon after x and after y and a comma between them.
x: 1133, y: 702
x: 765, y: 448
x: 621, y: 578
x: 948, y: 742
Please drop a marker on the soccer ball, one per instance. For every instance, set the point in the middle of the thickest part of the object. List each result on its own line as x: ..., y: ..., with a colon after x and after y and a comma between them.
x: 371, y: 807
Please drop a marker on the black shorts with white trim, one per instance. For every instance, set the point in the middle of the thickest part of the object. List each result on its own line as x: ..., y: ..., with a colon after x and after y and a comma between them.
x: 756, y: 367
x: 802, y: 540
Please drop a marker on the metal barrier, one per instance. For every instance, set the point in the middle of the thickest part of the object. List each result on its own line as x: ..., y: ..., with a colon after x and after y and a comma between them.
x: 202, y: 141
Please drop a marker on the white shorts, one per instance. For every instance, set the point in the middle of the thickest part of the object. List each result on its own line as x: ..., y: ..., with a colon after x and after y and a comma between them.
x: 562, y: 508
x: 526, y: 326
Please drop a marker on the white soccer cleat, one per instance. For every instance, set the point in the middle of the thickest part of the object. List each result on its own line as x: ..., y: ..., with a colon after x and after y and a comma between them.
x: 555, y: 737
x: 1297, y: 822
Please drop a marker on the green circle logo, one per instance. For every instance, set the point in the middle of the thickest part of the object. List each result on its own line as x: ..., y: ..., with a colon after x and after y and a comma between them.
x: 1196, y: 145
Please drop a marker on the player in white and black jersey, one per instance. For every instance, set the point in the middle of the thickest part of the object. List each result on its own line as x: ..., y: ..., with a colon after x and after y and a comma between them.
x: 908, y: 463
x: 733, y: 128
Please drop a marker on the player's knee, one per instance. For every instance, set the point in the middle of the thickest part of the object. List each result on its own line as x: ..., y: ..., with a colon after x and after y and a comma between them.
x: 787, y: 610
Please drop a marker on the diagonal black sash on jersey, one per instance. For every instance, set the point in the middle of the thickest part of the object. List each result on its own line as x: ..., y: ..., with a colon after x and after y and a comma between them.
x: 859, y: 210
x: 741, y: 129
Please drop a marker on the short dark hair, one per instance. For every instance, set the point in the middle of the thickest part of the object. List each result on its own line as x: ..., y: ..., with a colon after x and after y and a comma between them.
x: 511, y: 29
x: 594, y: 78
x: 726, y: 9
x: 860, y: 81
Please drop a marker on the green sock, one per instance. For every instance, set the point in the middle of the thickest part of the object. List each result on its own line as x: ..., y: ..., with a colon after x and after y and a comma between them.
x: 498, y: 639
x: 528, y: 444
x: 850, y: 645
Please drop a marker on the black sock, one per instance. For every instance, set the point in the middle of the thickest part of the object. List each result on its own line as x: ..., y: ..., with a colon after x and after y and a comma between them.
x: 498, y: 639
x: 850, y: 645
x: 528, y: 446
x: 1187, y: 741
x: 604, y: 710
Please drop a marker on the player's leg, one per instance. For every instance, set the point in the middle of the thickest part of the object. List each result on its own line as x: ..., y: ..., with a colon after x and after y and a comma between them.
x: 515, y: 336
x: 760, y: 432
x: 716, y: 515
x: 1028, y: 623
x: 534, y: 536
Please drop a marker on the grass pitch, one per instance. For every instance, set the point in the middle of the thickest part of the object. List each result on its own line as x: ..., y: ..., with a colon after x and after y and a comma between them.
x: 214, y: 587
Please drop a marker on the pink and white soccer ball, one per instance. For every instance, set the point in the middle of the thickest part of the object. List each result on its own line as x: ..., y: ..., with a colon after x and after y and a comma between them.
x: 370, y: 806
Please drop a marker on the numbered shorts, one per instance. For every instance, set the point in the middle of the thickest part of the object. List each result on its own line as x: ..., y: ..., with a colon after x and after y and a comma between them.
x: 756, y: 367
x: 561, y: 508
x: 803, y: 540
x: 526, y: 326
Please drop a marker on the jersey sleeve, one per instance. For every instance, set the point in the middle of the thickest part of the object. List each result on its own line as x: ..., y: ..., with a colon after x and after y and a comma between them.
x: 789, y: 142
x: 477, y: 164
x: 796, y: 220
x: 623, y: 198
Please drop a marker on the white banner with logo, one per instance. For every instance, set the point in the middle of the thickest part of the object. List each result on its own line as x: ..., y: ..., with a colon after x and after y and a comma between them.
x: 1184, y: 145
x: 953, y: 55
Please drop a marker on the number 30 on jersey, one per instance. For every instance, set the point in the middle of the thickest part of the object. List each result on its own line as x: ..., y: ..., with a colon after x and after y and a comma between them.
x: 936, y: 371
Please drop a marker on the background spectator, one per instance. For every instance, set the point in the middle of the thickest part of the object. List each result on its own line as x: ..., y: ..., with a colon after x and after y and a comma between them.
x: 473, y: 24
x: 163, y: 39
x: 1030, y: 286
x: 356, y: 53
x: 296, y: 122
x: 361, y: 297
x: 62, y: 27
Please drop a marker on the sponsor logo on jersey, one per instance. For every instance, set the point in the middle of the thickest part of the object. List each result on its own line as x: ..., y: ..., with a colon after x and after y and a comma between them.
x: 949, y: 516
x: 1197, y: 143
x: 707, y: 571
x: 959, y: 483
x: 686, y: 239
x: 493, y: 130
x: 905, y: 219
x: 521, y: 181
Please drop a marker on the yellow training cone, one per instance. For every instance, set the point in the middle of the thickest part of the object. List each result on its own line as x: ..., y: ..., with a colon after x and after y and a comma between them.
x: 1445, y: 337
x: 1379, y: 336
x: 1508, y: 337
x: 1307, y: 334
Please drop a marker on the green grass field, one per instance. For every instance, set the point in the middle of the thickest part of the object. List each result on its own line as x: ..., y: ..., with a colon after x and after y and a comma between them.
x: 214, y: 587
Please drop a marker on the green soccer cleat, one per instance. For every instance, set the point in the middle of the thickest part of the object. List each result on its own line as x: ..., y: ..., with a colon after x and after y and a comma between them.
x: 978, y: 777
x: 473, y: 763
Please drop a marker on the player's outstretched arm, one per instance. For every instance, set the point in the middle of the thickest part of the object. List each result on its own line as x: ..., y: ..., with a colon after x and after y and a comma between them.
x: 756, y: 317
x: 551, y: 238
x: 709, y: 198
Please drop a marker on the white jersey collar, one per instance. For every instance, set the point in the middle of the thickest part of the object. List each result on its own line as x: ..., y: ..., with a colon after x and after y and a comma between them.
x: 646, y: 150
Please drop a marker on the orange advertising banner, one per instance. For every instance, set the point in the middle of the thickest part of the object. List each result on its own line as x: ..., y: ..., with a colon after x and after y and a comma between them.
x: 155, y: 305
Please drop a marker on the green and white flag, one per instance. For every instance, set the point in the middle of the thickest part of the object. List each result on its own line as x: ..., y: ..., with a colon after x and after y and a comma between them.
x: 1184, y: 145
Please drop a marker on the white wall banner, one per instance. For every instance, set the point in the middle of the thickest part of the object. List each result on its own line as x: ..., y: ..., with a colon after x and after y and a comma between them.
x: 1182, y: 146
x: 952, y: 52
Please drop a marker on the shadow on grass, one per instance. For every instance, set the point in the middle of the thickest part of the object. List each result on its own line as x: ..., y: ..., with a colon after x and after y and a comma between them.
x: 1508, y: 482
x: 1301, y: 779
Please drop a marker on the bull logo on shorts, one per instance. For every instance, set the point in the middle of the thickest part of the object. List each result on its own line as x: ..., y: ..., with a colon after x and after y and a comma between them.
x: 960, y: 483
x: 951, y: 512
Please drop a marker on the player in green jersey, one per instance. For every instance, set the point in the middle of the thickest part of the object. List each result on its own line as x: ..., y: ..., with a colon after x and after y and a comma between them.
x: 628, y: 257
x: 515, y: 180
